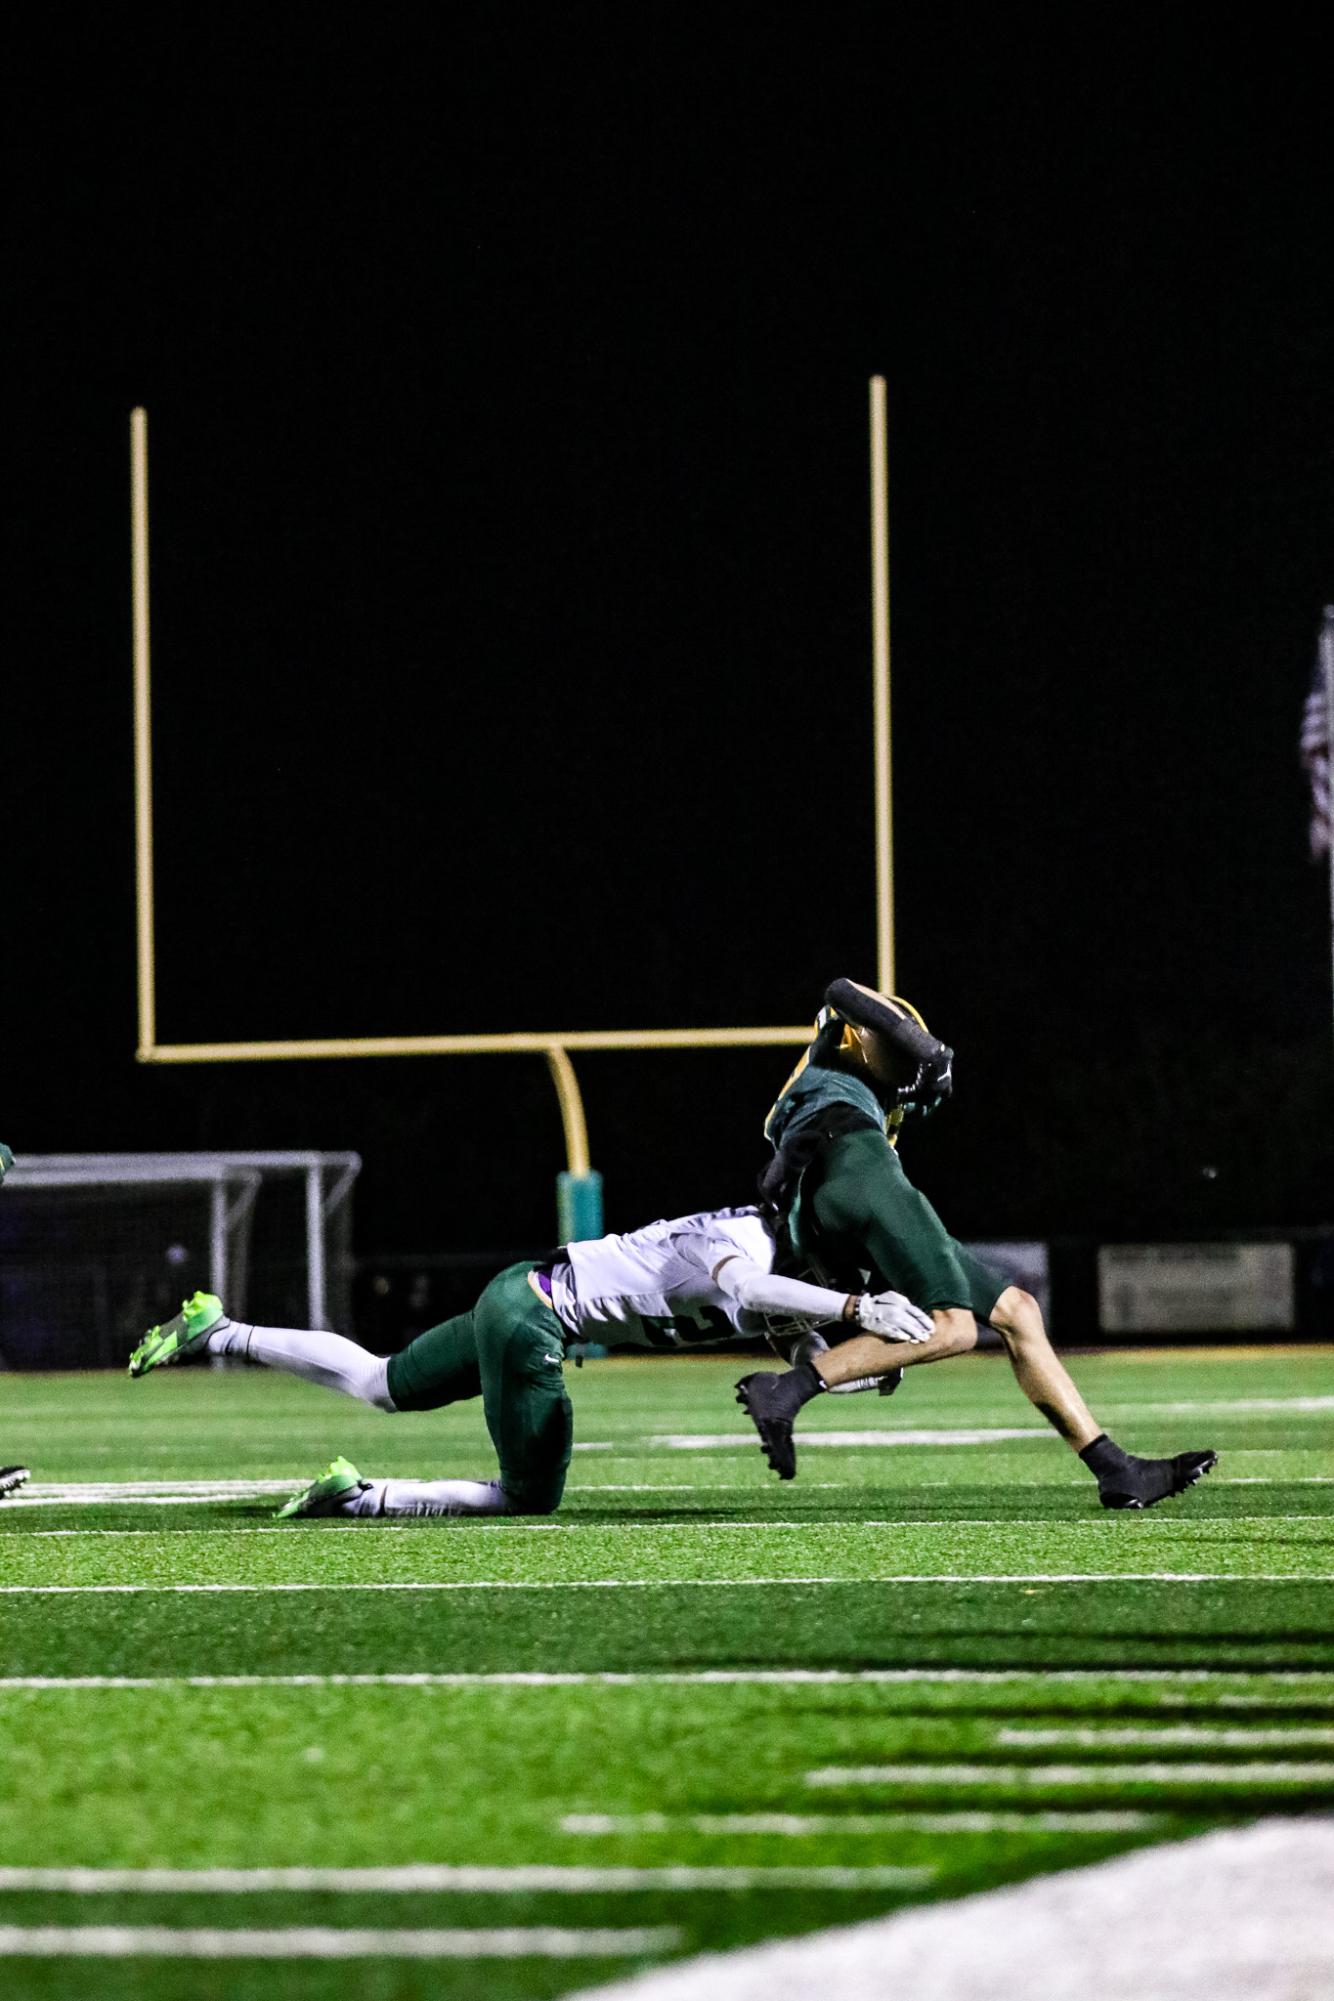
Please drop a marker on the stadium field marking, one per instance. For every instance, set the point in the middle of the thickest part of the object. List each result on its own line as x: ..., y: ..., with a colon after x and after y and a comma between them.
x: 1113, y: 1773
x: 1304, y: 1577
x: 1241, y: 1914
x: 710, y: 1441
x: 1224, y: 1404
x: 327, y: 1942
x: 77, y: 1489
x: 1298, y: 1680
x: 468, y: 1879
x: 1034, y: 1821
x: 1222, y: 1526
x: 131, y: 1497
x: 1148, y: 1736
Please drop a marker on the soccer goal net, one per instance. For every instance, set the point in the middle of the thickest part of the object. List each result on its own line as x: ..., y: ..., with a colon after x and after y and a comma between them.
x: 94, y: 1248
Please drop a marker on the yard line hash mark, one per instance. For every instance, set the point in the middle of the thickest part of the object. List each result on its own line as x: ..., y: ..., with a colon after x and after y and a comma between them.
x: 1112, y: 1773
x: 328, y: 1942
x: 466, y: 1879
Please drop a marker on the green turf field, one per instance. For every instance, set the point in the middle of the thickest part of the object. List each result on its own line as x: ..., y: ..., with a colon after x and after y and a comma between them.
x: 695, y: 1709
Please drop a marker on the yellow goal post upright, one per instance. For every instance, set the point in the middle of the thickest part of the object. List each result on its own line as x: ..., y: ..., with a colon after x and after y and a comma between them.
x: 579, y: 1186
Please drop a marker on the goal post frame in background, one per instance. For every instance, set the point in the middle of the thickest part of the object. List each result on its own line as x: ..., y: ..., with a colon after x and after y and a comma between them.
x: 580, y: 1197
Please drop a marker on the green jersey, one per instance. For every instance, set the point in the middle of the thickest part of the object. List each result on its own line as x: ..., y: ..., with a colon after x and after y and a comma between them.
x: 854, y: 1217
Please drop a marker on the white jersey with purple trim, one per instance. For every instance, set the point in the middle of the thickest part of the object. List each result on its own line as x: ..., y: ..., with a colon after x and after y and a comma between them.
x: 654, y: 1288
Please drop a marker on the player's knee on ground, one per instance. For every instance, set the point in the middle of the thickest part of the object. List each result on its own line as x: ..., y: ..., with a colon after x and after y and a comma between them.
x: 535, y: 1500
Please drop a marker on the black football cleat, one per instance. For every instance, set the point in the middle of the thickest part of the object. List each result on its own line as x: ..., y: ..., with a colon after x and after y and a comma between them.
x: 11, y: 1479
x: 1142, y: 1483
x: 770, y: 1405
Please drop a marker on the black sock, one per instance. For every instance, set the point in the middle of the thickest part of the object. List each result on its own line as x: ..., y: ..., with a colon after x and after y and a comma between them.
x: 803, y: 1383
x: 1103, y: 1456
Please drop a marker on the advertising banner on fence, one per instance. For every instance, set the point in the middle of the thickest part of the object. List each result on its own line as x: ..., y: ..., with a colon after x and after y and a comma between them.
x: 1195, y: 1288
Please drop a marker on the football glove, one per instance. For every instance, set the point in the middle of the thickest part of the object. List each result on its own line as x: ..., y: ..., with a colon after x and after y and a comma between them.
x: 893, y: 1317
x: 928, y: 1063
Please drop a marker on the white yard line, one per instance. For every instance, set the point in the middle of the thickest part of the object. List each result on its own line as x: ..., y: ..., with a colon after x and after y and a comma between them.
x: 154, y: 1494
x: 1284, y: 1737
x: 1242, y: 1915
x: 465, y: 1879
x: 1220, y: 1406
x: 112, y: 1496
x: 1295, y: 1683
x: 710, y: 1441
x: 694, y: 1583
x: 1212, y: 1529
x: 114, y: 1500
x: 796, y: 1825
x: 1113, y: 1772
x: 325, y: 1942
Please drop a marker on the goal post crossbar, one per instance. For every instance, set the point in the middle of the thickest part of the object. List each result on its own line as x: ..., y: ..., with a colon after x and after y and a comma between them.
x: 554, y: 1045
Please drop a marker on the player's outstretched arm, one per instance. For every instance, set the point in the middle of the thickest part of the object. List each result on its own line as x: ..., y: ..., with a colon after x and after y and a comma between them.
x: 887, y: 1315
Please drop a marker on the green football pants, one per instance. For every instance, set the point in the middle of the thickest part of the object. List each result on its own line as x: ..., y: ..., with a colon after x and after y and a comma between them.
x: 508, y: 1350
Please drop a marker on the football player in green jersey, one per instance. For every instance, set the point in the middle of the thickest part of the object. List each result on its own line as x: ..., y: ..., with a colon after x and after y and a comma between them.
x: 11, y: 1477
x: 842, y: 1200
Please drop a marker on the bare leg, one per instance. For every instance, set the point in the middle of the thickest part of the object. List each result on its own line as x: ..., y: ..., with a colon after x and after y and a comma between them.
x: 1040, y: 1374
x: 868, y: 1355
x: 1124, y: 1481
x: 1017, y: 1318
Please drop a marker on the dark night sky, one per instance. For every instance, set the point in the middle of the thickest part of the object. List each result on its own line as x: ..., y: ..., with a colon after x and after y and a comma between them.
x: 507, y: 393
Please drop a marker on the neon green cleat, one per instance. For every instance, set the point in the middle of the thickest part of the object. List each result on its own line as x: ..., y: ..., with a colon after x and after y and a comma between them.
x: 336, y: 1485
x: 182, y: 1339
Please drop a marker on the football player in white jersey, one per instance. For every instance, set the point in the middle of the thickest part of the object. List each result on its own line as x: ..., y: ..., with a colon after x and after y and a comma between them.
x: 691, y: 1281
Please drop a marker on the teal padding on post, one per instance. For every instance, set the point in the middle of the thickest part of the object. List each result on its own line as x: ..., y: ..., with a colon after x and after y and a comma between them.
x: 579, y: 1206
